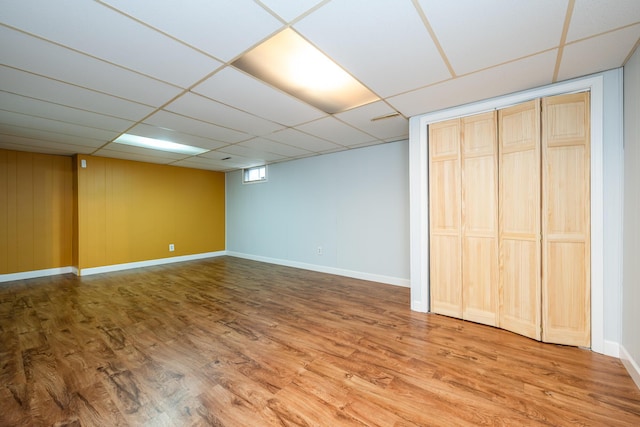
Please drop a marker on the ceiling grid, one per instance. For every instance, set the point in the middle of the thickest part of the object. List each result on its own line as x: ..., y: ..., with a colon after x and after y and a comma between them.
x: 76, y: 75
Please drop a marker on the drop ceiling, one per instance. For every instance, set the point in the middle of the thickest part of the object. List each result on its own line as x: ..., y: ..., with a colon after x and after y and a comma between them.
x: 76, y: 74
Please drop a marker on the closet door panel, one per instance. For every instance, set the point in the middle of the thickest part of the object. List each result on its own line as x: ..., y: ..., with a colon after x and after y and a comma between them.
x: 479, y: 219
x: 566, y: 226
x: 520, y: 194
x: 566, y: 195
x: 519, y: 219
x: 520, y: 299
x: 446, y: 286
x: 444, y: 198
x: 445, y: 218
x: 480, y: 280
x: 566, y: 319
x: 480, y: 196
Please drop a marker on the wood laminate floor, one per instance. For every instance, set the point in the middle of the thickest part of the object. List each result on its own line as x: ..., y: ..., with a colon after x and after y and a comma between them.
x: 232, y: 342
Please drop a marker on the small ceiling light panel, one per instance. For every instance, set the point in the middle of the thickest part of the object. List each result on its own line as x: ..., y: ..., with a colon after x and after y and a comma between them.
x: 292, y: 64
x: 158, y: 144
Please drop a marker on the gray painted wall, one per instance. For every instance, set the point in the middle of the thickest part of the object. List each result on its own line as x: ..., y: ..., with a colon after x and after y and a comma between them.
x: 631, y: 255
x: 354, y: 204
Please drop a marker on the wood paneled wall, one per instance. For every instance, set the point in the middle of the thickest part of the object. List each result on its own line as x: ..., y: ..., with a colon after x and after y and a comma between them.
x: 54, y: 214
x: 36, y: 211
x: 131, y: 211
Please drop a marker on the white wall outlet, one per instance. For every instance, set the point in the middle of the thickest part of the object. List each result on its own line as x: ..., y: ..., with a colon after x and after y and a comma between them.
x: 171, y: 247
x: 319, y: 250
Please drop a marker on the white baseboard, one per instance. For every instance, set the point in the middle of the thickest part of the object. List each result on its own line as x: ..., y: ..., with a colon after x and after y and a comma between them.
x: 324, y: 269
x: 149, y: 263
x: 611, y: 348
x: 105, y: 269
x: 35, y: 273
x: 126, y: 266
x: 631, y: 365
x: 419, y: 306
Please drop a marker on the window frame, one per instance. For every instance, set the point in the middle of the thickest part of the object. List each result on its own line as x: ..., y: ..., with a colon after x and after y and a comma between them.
x: 247, y: 171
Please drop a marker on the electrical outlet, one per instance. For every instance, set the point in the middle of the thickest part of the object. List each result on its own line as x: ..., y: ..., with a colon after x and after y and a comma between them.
x: 319, y: 251
x: 171, y: 247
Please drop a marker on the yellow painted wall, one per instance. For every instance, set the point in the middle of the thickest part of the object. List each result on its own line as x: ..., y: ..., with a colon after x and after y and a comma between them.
x: 36, y: 211
x: 131, y: 211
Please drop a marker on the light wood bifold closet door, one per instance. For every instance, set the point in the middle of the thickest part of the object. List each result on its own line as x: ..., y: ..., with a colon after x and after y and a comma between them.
x: 444, y: 218
x: 464, y: 219
x: 566, y: 225
x: 509, y: 203
x: 479, y: 219
x: 519, y: 211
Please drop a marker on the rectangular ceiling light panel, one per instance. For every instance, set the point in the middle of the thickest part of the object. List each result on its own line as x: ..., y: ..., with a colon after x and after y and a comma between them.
x: 290, y: 63
x: 158, y: 144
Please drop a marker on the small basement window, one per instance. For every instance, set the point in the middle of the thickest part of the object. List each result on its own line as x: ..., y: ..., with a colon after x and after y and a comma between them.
x: 255, y: 174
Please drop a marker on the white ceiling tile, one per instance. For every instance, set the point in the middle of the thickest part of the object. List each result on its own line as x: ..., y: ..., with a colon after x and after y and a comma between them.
x: 519, y: 75
x: 597, y: 53
x: 55, y: 126
x: 366, y: 144
x: 164, y: 134
x: 479, y: 34
x: 43, y: 109
x: 37, y: 87
x: 250, y: 153
x: 40, y: 57
x: 302, y: 140
x: 44, y: 135
x: 262, y: 144
x: 137, y: 157
x: 214, y: 155
x: 289, y: 10
x: 128, y: 149
x: 241, y: 91
x: 111, y: 36
x: 392, y: 127
x: 18, y: 143
x: 395, y: 139
x: 334, y: 130
x: 303, y: 156
x: 231, y: 162
x: 383, y: 43
x: 197, y: 163
x: 222, y: 28
x: 592, y: 17
x: 335, y: 150
x: 202, y: 108
x: 191, y: 126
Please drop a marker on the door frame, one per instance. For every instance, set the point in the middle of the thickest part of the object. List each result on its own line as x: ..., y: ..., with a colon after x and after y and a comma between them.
x: 419, y: 185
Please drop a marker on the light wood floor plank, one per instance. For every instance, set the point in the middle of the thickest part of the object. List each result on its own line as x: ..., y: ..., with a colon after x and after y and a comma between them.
x: 232, y: 342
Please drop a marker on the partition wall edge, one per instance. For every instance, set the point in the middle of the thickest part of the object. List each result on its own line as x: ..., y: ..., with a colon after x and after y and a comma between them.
x: 419, y: 198
x: 418, y: 216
